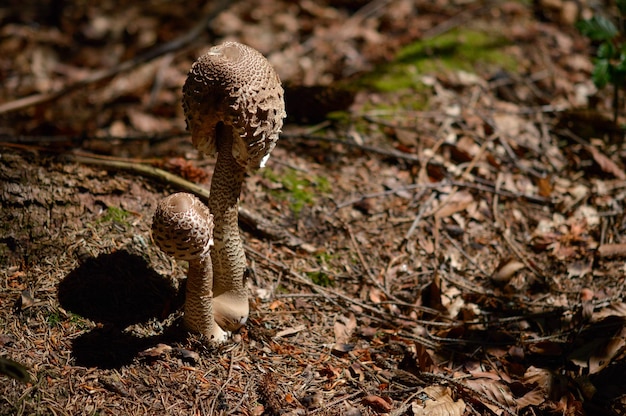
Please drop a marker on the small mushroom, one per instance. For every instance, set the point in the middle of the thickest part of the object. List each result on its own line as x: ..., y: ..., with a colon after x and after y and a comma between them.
x: 182, y: 227
x: 234, y: 106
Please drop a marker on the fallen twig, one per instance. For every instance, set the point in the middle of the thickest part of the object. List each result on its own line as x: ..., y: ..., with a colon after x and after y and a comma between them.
x: 371, y: 149
x: 438, y: 185
x: 250, y: 219
x: 418, y: 218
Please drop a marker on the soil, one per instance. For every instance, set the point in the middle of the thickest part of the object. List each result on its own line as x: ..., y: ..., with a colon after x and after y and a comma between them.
x: 440, y: 229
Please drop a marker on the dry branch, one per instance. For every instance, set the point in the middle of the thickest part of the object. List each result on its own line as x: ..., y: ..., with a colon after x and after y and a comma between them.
x: 249, y: 218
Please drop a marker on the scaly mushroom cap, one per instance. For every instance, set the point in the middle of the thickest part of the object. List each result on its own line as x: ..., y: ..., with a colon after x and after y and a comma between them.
x: 183, y: 227
x: 234, y: 84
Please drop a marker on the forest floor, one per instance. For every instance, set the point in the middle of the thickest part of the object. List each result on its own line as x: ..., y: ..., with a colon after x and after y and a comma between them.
x: 440, y: 230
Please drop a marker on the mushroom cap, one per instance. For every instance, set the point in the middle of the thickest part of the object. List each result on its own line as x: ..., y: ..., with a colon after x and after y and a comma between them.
x: 182, y: 227
x: 234, y: 84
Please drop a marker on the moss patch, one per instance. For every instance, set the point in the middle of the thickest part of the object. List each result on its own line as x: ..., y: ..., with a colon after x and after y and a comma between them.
x: 299, y: 188
x: 115, y: 214
x: 462, y: 49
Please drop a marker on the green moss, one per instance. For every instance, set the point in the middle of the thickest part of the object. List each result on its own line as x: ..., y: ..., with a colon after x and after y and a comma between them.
x: 115, y: 214
x: 459, y: 49
x: 56, y: 318
x: 321, y: 278
x: 299, y: 188
x: 280, y: 289
x: 324, y: 257
x: 462, y: 49
x: 339, y: 116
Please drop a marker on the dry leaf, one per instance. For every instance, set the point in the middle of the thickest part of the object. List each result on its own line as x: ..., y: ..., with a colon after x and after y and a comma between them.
x: 424, y: 359
x: 614, y: 309
x: 187, y: 355
x: 579, y: 268
x: 456, y: 203
x: 598, y: 353
x: 439, y: 403
x: 539, y: 377
x: 377, y: 403
x: 532, y: 398
x: 25, y: 301
x: 604, y: 355
x: 496, y: 390
x: 606, y: 164
x: 290, y: 331
x: 344, y: 328
x: 506, y: 270
x: 147, y: 123
x: 156, y: 351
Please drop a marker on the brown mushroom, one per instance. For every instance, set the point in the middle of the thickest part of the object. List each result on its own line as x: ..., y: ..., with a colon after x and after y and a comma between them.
x: 234, y: 106
x: 182, y: 227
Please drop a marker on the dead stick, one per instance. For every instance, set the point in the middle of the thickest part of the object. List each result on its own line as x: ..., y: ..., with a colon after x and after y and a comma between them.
x: 371, y: 149
x: 437, y: 185
x: 247, y: 217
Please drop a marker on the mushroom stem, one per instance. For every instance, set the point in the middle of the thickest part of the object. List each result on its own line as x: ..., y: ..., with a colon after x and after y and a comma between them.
x: 229, y: 260
x: 198, y: 309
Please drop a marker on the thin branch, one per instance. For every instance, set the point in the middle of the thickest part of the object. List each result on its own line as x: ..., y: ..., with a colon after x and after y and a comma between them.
x: 369, y: 149
x: 247, y: 217
x: 437, y: 185
x: 418, y: 218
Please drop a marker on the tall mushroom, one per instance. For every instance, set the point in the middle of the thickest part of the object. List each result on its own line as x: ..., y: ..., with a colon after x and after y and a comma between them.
x: 234, y: 106
x: 182, y: 227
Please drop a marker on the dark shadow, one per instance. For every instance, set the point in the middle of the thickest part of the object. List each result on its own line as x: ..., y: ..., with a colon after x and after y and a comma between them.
x: 108, y: 348
x: 118, y: 289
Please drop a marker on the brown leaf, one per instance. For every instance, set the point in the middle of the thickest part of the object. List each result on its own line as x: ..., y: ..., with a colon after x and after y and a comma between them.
x: 506, y: 270
x: 188, y: 356
x: 439, y: 403
x: 25, y: 301
x: 604, y: 355
x: 598, y: 353
x: 6, y: 339
x: 495, y: 390
x: 290, y: 331
x: 547, y: 348
x: 456, y: 203
x: 344, y: 328
x: 377, y: 403
x: 115, y: 385
x: 532, y: 398
x: 156, y: 351
x: 614, y: 309
x: 147, y: 123
x: 424, y: 359
x: 606, y: 164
